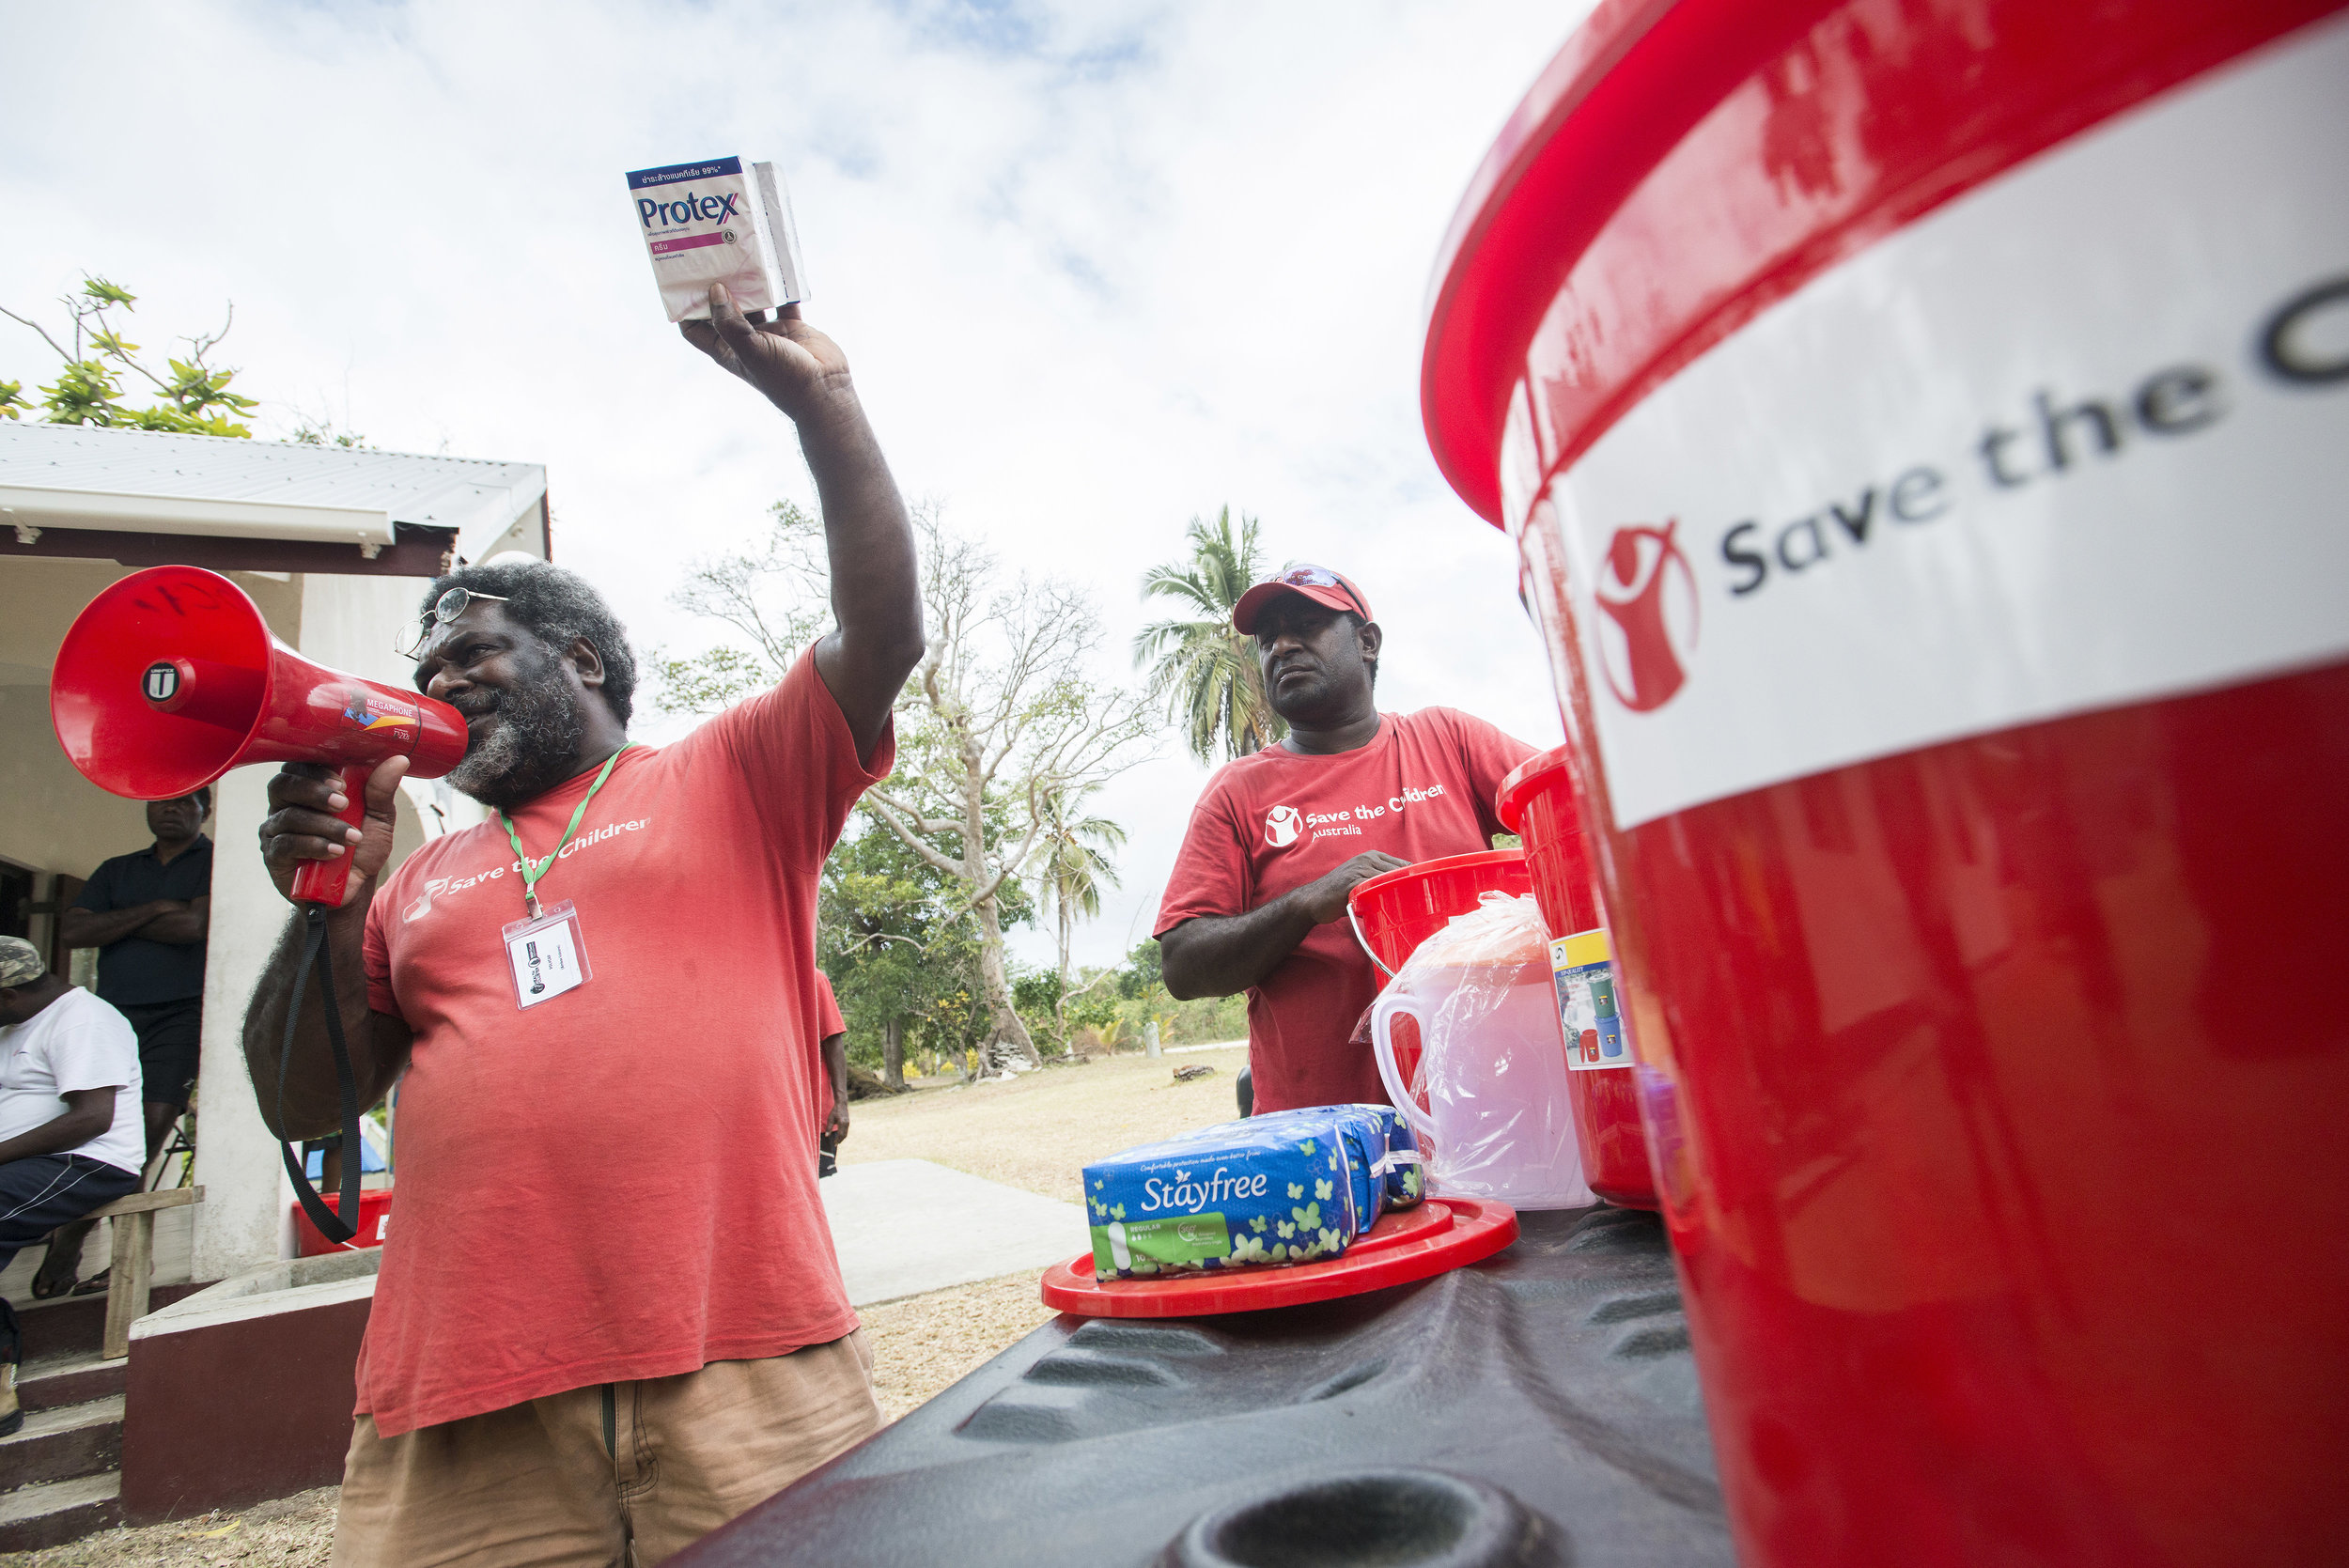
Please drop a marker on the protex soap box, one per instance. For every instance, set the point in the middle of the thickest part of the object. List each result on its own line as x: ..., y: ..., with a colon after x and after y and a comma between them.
x: 1294, y: 1187
x: 710, y: 222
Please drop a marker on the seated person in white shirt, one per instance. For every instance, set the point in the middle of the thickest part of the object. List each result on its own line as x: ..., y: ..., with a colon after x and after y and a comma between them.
x: 71, y: 1138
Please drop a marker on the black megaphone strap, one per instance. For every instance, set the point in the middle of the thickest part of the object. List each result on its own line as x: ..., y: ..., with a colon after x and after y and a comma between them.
x: 342, y: 1227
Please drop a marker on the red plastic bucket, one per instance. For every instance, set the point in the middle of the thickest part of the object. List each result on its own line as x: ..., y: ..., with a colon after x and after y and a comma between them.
x: 375, y: 1224
x: 1538, y: 803
x: 1922, y: 428
x: 1394, y: 912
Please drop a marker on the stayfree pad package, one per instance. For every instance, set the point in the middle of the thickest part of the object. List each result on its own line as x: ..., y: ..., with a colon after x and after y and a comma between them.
x: 1292, y: 1186
x: 710, y: 222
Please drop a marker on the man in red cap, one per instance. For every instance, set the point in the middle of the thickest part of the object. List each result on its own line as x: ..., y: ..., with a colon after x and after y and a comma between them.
x: 1256, y: 901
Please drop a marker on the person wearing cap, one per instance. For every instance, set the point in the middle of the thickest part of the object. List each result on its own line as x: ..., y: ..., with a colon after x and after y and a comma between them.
x: 1258, y: 899
x: 71, y: 1139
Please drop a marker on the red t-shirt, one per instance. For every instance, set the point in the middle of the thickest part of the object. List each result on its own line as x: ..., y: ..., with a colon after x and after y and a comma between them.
x: 828, y: 1022
x: 1271, y: 822
x: 619, y: 1181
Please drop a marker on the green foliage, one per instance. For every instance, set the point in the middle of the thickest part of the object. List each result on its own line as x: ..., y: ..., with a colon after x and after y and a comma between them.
x: 998, y: 736
x: 1203, y: 671
x: 898, y: 939
x: 191, y: 398
x: 1037, y: 993
x: 775, y: 595
x: 1141, y: 974
x: 322, y: 432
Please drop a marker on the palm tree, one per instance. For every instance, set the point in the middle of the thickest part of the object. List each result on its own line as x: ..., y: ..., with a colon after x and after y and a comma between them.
x: 1072, y: 867
x: 1203, y: 671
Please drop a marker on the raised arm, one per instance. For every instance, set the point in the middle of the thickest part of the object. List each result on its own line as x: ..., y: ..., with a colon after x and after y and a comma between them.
x: 876, y: 576
x: 302, y: 827
x: 1219, y: 955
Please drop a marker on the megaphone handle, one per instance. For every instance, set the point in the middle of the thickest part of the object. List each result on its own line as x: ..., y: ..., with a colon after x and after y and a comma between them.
x: 323, y: 881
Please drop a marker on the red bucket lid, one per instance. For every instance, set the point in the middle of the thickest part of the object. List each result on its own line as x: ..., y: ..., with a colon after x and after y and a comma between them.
x: 1535, y: 772
x: 1440, y: 1235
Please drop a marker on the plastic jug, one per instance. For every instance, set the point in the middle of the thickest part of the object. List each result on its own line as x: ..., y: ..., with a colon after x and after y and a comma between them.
x: 1394, y: 912
x: 1490, y: 1101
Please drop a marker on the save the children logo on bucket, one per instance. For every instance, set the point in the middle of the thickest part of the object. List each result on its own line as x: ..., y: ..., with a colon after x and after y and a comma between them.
x: 1281, y: 826
x: 1648, y: 595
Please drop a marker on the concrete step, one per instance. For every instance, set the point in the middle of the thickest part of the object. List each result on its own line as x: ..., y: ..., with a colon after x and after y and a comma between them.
x: 63, y: 1443
x: 76, y: 1324
x: 55, y: 1511
x: 74, y: 1378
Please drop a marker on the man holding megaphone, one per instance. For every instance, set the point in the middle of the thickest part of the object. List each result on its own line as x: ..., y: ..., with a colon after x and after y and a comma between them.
x: 609, y: 1315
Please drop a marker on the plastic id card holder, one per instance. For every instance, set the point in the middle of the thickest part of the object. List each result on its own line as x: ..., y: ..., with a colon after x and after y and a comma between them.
x: 547, y: 955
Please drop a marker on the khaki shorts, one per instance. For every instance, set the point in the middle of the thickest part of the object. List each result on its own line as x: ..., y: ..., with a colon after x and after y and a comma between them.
x: 619, y: 1473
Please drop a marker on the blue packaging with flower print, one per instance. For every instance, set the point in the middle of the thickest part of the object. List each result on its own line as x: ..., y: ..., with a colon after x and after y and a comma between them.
x: 1290, y: 1187
x: 1399, y: 1162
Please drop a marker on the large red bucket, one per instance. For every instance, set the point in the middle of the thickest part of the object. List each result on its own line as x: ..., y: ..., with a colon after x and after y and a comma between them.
x: 1538, y: 804
x: 1394, y: 912
x: 1923, y: 427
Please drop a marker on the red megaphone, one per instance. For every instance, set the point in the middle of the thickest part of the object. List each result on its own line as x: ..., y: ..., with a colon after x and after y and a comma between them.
x: 170, y: 678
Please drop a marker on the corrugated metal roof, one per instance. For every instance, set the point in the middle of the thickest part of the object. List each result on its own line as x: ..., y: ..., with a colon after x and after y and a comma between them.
x: 477, y: 498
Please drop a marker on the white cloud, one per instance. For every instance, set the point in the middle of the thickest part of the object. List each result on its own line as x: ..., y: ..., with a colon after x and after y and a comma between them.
x: 1098, y: 268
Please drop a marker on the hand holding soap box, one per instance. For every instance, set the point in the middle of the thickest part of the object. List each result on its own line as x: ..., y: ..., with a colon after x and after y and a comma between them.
x: 710, y: 222
x: 1294, y: 1187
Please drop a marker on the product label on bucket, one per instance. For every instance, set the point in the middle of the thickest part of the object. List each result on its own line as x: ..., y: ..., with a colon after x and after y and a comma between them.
x: 2076, y: 439
x: 1583, y: 969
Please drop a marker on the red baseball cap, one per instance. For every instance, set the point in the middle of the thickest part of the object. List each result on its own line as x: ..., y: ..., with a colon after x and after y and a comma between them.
x: 1325, y: 587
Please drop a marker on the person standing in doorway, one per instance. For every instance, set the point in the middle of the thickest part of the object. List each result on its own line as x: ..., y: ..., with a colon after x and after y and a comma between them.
x: 148, y: 915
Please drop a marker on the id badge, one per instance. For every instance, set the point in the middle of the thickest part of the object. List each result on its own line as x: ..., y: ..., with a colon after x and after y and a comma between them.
x: 546, y: 955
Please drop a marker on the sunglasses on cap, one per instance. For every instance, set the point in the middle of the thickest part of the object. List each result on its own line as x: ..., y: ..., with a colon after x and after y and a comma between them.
x: 445, y: 610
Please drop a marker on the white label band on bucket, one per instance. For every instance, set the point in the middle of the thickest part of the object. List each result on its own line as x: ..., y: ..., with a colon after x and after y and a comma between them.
x: 2076, y: 439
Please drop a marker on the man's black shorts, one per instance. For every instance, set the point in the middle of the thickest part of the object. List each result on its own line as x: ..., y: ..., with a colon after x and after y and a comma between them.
x: 39, y: 1194
x: 171, y: 1036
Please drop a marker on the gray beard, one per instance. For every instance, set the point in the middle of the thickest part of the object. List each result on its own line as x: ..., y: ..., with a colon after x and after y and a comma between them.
x: 533, y: 749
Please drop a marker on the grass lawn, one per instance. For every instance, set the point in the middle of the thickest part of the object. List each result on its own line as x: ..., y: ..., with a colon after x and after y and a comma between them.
x: 1038, y: 1131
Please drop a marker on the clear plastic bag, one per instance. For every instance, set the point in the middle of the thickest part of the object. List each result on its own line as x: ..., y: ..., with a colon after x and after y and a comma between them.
x: 1488, y: 1092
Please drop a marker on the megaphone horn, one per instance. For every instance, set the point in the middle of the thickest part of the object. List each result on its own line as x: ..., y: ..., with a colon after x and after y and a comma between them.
x: 170, y: 678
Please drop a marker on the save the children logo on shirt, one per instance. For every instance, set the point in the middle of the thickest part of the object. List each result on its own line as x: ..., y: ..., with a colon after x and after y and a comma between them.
x: 441, y: 887
x: 1648, y: 594
x: 1284, y: 824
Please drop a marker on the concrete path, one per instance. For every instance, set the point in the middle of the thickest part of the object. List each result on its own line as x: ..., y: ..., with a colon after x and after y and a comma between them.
x: 903, y: 1227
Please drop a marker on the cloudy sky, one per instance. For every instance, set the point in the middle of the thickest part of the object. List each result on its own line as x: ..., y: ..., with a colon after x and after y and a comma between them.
x: 1098, y: 268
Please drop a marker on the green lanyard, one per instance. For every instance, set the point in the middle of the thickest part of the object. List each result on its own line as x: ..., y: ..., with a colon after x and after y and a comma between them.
x: 533, y: 871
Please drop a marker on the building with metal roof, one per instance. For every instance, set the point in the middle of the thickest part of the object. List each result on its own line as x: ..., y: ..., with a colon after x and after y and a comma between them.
x: 74, y: 480
x: 334, y: 546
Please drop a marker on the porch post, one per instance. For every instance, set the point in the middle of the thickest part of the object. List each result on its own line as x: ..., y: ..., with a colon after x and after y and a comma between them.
x: 244, y: 1220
